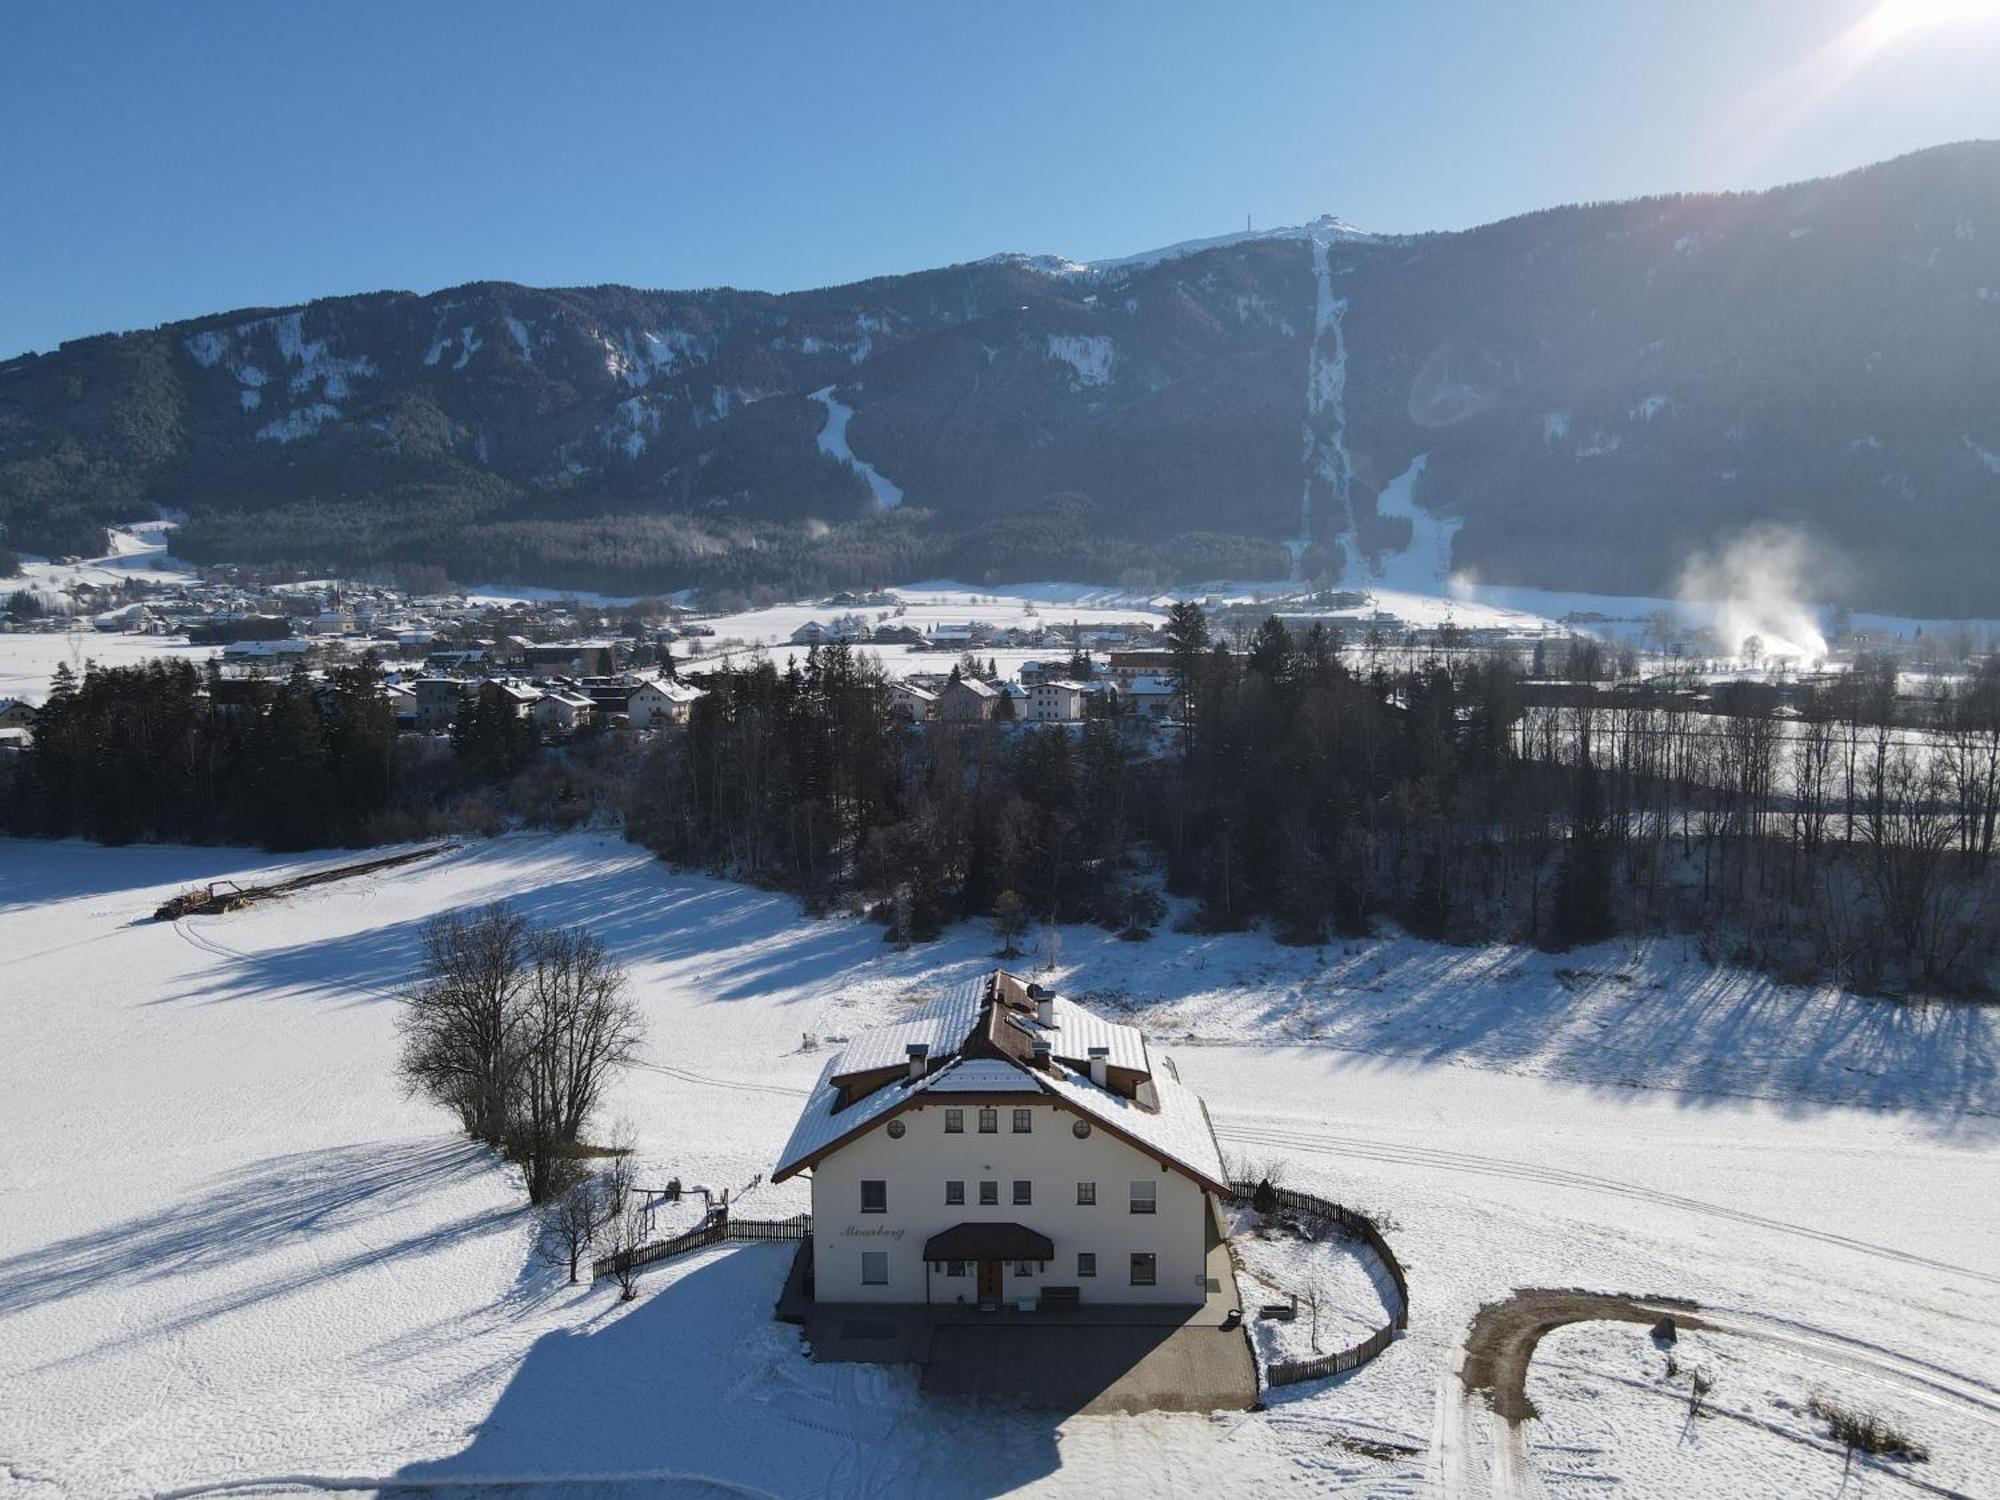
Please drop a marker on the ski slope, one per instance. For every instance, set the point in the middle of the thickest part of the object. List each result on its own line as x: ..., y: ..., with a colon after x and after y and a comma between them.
x: 231, y: 1250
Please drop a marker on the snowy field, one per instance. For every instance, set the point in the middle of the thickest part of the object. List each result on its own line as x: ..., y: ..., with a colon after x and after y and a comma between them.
x: 231, y: 1250
x: 28, y: 660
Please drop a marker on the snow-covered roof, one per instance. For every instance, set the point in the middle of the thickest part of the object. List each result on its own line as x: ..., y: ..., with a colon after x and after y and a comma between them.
x: 982, y: 1075
x: 939, y: 1024
x: 1078, y: 1030
x: 1178, y: 1129
x: 675, y: 691
x: 981, y: 1040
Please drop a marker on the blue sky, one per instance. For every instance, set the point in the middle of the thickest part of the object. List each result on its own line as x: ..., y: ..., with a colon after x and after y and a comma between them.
x: 159, y: 161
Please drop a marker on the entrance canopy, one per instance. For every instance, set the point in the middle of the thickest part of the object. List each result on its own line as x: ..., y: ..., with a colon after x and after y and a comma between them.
x: 989, y: 1242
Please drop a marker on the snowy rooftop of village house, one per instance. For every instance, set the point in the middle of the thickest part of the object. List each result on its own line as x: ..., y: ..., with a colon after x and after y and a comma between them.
x: 1165, y: 1118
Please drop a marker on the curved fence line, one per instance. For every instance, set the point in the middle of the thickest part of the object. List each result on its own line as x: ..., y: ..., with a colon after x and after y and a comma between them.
x: 1355, y: 1226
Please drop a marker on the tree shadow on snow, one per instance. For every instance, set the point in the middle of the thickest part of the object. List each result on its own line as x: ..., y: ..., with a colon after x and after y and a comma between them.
x: 324, y: 1205
x: 646, y: 917
x: 696, y: 1379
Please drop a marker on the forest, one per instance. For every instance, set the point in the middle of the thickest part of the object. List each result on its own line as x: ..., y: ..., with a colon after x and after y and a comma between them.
x: 1320, y: 787
x: 167, y: 752
x: 1838, y: 830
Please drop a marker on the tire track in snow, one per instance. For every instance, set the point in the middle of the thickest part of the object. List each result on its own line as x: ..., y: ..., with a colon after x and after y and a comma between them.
x: 1918, y: 1377
x: 1453, y: 1469
x: 1506, y: 1167
x: 740, y: 1086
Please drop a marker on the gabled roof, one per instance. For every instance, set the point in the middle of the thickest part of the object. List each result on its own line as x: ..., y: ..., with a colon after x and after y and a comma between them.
x: 979, y: 1037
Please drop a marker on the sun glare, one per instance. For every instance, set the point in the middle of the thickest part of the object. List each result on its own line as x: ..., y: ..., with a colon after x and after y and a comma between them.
x: 1895, y: 18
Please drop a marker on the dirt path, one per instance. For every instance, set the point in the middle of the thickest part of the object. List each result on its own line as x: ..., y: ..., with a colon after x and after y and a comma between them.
x: 1503, y: 1337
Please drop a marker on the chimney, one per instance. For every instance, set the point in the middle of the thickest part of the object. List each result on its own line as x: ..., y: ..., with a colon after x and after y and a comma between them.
x: 1100, y: 1064
x: 919, y: 1056
x: 1044, y: 1055
x: 1045, y: 1006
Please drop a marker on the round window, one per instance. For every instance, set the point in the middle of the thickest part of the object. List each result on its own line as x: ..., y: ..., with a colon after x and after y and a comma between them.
x: 1080, y: 1129
x: 896, y: 1129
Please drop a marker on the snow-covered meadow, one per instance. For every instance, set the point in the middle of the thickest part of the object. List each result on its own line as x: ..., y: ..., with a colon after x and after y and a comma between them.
x: 230, y: 1248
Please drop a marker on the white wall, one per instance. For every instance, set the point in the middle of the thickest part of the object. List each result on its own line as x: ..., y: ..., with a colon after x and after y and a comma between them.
x: 1052, y: 1159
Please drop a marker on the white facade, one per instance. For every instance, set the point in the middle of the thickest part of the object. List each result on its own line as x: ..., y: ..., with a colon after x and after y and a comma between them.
x: 665, y: 702
x: 916, y: 1169
x: 1060, y: 701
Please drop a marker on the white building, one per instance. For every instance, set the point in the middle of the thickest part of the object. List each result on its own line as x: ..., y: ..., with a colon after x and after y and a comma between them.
x: 917, y: 703
x: 562, y: 710
x: 1059, y: 701
x: 660, y: 701
x: 1151, y: 697
x: 1000, y: 1143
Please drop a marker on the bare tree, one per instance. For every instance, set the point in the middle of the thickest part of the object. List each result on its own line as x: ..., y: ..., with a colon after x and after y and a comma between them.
x: 461, y: 1024
x: 570, y: 1223
x: 578, y: 1023
x: 617, y: 1179
x: 624, y: 1237
x: 518, y: 1031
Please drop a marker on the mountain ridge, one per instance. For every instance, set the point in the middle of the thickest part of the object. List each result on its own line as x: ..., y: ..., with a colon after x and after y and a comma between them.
x: 1597, y: 391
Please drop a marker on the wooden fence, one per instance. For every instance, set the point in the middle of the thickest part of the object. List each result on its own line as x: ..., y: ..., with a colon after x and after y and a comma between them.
x: 1354, y: 1226
x: 718, y: 1226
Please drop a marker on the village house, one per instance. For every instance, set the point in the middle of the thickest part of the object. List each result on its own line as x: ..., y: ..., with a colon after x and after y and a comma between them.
x: 438, y: 699
x: 656, y: 701
x: 1001, y: 1144
x: 1146, y: 663
x: 572, y: 658
x: 1150, y: 697
x: 1058, y: 701
x: 17, y: 713
x: 967, y: 700
x: 562, y: 710
x: 918, y: 704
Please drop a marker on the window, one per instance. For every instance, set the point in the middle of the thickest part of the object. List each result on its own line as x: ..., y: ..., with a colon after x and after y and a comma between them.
x: 1144, y: 1197
x: 1086, y: 1263
x: 1086, y: 1194
x: 954, y: 1192
x: 954, y: 1122
x: 1024, y: 1268
x: 896, y: 1129
x: 875, y: 1267
x: 954, y: 1268
x: 989, y: 1121
x: 1080, y: 1129
x: 1024, y: 1192
x: 989, y: 1194
x: 874, y: 1197
x: 1145, y: 1268
x: 1024, y: 1121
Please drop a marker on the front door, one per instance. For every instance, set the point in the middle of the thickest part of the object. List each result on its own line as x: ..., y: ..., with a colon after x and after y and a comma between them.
x: 989, y: 1281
